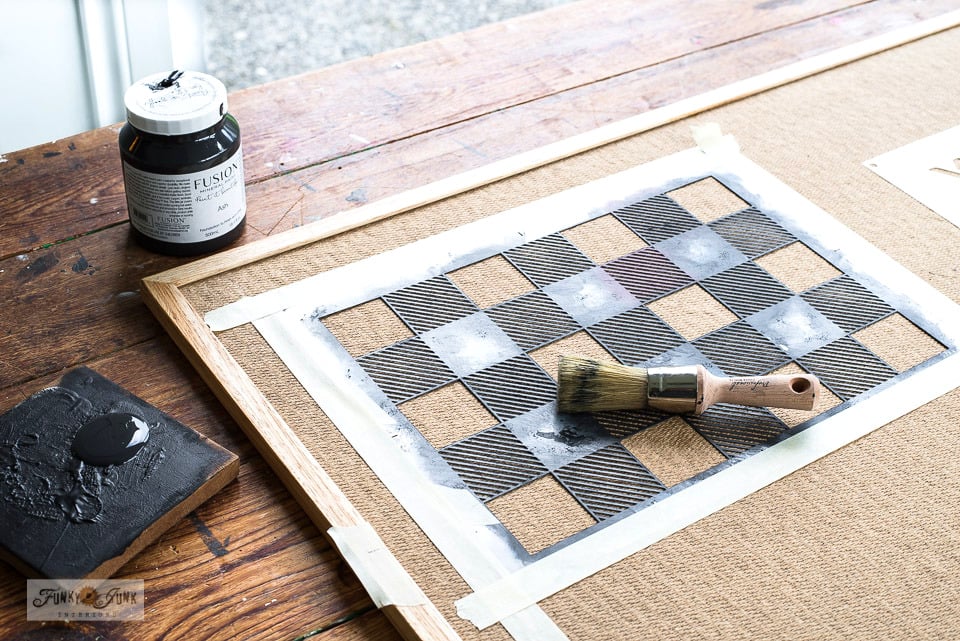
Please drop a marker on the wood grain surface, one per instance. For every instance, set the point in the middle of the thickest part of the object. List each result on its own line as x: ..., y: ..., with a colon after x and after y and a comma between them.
x: 249, y: 564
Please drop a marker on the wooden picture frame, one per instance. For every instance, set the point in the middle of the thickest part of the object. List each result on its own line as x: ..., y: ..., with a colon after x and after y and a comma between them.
x: 313, y: 488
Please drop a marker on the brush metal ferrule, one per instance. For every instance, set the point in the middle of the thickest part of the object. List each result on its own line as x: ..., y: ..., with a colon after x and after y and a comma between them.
x: 674, y: 389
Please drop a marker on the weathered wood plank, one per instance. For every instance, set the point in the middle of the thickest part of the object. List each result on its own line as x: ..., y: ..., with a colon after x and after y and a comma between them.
x: 370, y: 626
x: 72, y: 303
x: 345, y: 183
x: 60, y: 190
x: 452, y: 79
x: 74, y: 186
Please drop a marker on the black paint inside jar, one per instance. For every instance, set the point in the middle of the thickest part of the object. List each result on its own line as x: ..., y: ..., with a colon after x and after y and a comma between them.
x: 110, y: 439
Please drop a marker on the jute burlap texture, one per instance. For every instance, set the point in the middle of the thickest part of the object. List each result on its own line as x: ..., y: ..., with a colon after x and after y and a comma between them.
x: 863, y: 544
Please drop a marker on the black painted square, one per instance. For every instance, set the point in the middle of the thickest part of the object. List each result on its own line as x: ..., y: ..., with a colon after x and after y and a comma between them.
x: 548, y: 259
x: 746, y: 289
x: 429, y: 304
x: 513, y: 387
x: 657, y: 219
x: 492, y: 462
x: 636, y: 336
x: 406, y: 370
x: 740, y: 350
x: 609, y: 481
x: 847, y: 303
x: 752, y: 232
x: 533, y: 320
x: 847, y: 367
x: 65, y: 518
x: 733, y: 429
x: 625, y: 423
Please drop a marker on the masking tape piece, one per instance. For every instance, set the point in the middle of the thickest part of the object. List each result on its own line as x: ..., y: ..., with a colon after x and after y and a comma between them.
x: 711, y: 139
x: 379, y: 572
x: 231, y: 315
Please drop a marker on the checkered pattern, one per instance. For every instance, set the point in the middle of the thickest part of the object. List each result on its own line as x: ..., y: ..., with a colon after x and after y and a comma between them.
x: 487, y: 350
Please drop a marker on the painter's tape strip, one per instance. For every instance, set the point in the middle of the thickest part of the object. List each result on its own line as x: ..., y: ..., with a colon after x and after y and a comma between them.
x: 636, y: 532
x: 381, y: 574
x: 234, y: 314
x: 710, y: 139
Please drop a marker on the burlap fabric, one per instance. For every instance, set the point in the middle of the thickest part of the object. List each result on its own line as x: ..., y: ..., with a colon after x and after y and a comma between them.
x: 863, y: 544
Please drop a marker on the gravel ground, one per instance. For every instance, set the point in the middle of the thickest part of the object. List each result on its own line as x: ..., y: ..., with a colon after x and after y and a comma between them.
x: 250, y: 42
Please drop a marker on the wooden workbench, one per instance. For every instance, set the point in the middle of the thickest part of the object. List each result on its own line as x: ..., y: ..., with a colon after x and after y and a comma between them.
x: 249, y: 564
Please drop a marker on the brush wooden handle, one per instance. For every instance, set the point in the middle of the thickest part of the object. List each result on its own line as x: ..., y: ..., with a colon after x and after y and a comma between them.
x: 585, y: 385
x: 791, y: 391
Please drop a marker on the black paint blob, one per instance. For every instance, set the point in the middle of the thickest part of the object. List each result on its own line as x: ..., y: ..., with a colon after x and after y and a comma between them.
x: 110, y: 439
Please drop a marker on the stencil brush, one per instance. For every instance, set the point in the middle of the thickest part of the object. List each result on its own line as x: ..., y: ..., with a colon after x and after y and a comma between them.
x: 587, y: 385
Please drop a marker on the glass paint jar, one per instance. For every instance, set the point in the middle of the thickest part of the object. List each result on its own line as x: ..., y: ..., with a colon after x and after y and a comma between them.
x: 182, y: 164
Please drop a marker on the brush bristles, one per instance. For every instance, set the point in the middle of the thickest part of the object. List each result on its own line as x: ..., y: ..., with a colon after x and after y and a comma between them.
x: 586, y: 385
